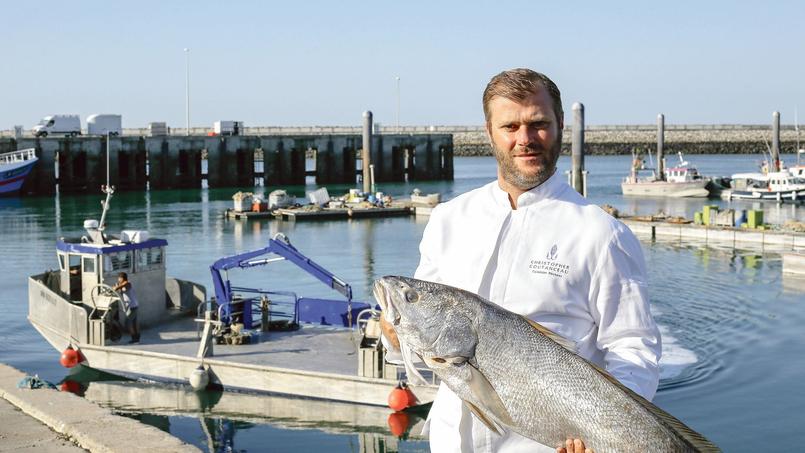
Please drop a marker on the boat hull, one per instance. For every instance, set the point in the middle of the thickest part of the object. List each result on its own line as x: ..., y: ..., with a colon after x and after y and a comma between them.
x: 692, y: 189
x: 765, y: 195
x: 12, y: 177
x: 64, y: 324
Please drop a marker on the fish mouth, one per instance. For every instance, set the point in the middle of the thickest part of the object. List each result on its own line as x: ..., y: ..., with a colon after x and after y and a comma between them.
x: 383, y: 297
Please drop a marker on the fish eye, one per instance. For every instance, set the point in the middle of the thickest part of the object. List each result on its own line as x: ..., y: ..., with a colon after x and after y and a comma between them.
x: 411, y: 296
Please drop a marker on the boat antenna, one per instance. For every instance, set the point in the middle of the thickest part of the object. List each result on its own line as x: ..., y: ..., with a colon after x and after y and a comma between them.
x: 768, y: 148
x: 108, y: 189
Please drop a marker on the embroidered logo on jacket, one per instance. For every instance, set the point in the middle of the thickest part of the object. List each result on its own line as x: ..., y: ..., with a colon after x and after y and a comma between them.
x: 549, y: 266
x: 552, y: 254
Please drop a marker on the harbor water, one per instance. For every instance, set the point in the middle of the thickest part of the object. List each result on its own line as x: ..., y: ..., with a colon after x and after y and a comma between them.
x: 732, y: 323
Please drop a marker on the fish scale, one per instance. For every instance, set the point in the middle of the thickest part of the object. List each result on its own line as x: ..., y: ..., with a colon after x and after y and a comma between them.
x: 549, y: 393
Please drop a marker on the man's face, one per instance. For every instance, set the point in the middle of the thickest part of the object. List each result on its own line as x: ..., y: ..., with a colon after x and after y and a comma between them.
x: 526, y: 138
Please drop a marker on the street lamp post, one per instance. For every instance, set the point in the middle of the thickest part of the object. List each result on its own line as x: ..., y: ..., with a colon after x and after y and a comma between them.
x: 398, y: 104
x: 187, y: 90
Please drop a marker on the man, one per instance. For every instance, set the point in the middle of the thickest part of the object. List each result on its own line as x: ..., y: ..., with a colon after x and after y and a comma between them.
x: 130, y: 305
x: 533, y: 245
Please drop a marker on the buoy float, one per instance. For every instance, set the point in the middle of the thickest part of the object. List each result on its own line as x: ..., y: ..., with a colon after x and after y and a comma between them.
x: 399, y: 398
x: 71, y: 386
x: 412, y: 399
x: 398, y: 423
x: 199, y: 378
x: 69, y: 357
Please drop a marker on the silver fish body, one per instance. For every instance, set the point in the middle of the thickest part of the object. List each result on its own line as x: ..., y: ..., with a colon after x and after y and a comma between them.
x: 514, y: 374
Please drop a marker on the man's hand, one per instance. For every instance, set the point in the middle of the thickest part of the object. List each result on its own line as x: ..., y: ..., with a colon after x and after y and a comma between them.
x: 389, y: 333
x: 573, y: 446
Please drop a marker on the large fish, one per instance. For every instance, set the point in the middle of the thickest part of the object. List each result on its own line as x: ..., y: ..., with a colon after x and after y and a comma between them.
x: 515, y: 374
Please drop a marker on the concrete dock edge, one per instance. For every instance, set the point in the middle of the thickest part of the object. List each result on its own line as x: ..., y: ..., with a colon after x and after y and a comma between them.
x: 92, y: 427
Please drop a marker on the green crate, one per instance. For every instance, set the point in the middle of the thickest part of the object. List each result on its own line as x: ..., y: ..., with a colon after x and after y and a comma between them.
x: 709, y: 214
x: 754, y: 218
x: 697, y: 218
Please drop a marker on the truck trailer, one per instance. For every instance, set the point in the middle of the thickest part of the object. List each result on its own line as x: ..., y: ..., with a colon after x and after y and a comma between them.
x: 104, y: 123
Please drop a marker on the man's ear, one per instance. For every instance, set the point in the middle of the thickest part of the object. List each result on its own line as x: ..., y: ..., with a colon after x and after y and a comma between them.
x: 488, y: 130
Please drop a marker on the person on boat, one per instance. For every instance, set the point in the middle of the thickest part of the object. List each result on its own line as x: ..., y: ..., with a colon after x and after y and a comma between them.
x: 130, y: 304
x: 533, y: 245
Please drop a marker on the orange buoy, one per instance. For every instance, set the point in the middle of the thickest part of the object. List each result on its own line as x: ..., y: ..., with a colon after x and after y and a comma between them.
x: 398, y: 423
x: 398, y: 398
x: 70, y: 357
x: 71, y: 386
x: 412, y: 399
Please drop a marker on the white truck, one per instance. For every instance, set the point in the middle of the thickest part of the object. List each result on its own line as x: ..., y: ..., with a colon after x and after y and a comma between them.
x: 58, y: 125
x: 228, y: 128
x: 104, y: 123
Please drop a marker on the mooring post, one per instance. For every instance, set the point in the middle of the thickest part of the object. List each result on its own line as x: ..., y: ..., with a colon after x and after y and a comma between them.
x: 775, y: 141
x: 366, y: 151
x: 660, y: 145
x: 577, y: 149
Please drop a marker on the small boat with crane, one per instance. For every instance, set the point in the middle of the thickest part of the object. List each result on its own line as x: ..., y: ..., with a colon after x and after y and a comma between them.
x: 245, y: 339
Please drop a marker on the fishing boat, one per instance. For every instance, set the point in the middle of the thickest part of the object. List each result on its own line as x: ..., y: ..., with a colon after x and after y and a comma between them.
x: 246, y: 339
x: 14, y: 167
x: 682, y: 180
x: 777, y: 186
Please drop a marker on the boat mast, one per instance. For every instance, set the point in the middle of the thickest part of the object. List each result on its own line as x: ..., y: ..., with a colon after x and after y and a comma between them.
x: 108, y: 189
x: 796, y: 128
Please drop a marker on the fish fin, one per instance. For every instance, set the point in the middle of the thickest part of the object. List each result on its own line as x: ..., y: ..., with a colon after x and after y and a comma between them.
x: 483, y: 418
x: 487, y: 396
x: 570, y: 345
x: 696, y: 440
x: 411, y: 372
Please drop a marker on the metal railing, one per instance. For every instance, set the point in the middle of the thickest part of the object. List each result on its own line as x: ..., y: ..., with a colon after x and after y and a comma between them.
x: 17, y: 156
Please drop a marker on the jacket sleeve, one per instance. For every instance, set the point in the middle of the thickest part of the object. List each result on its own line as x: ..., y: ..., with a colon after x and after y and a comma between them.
x: 627, y: 333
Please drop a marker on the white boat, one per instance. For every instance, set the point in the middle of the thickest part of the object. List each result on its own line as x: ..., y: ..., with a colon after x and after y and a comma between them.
x: 680, y: 181
x: 798, y: 170
x: 231, y: 342
x: 14, y: 168
x: 777, y: 186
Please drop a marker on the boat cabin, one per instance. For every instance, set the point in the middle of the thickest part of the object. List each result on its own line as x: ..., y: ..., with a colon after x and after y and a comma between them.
x: 749, y: 181
x: 682, y: 174
x: 84, y: 265
x: 784, y: 181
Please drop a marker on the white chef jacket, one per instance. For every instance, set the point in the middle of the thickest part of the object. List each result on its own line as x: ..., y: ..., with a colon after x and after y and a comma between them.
x: 558, y: 260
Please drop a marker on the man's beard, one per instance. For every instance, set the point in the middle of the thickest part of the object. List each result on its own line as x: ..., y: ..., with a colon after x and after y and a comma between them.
x: 512, y: 175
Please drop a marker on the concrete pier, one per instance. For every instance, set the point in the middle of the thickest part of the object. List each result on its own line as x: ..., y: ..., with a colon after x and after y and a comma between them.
x: 91, y: 427
x: 283, y: 160
x: 336, y: 162
x: 174, y: 162
x: 230, y: 161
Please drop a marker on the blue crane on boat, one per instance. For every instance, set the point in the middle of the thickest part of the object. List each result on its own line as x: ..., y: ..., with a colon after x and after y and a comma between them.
x: 311, y: 310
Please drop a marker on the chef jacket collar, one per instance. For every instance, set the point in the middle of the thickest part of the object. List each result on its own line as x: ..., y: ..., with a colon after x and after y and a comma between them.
x: 548, y: 189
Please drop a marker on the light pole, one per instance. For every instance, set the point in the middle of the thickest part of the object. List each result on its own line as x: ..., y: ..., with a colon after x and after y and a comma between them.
x: 187, y: 90
x: 398, y: 104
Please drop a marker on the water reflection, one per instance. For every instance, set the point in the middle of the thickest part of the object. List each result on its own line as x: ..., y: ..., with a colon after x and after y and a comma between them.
x: 221, y: 417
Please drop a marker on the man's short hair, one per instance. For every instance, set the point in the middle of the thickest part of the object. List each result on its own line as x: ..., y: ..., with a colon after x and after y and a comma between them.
x: 517, y: 85
x: 123, y: 275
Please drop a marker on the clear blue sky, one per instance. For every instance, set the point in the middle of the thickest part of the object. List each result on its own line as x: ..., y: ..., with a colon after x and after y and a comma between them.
x: 324, y: 62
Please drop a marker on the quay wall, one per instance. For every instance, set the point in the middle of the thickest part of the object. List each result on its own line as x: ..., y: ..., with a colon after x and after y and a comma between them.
x: 689, y: 140
x: 78, y: 164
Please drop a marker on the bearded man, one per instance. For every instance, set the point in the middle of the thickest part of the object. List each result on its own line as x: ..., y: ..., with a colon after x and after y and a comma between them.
x: 531, y: 244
